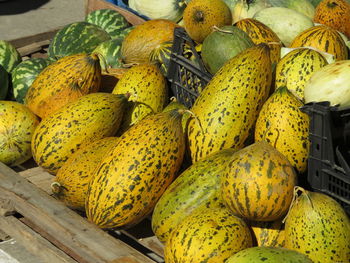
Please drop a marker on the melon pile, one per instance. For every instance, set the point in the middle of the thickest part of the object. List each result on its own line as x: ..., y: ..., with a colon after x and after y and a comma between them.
x: 222, y: 179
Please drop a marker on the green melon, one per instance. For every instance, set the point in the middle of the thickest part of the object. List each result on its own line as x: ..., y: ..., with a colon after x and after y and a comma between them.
x: 9, y: 56
x: 4, y: 83
x: 110, y: 55
x: 268, y: 255
x: 77, y: 37
x: 223, y: 44
x: 109, y: 20
x: 24, y: 74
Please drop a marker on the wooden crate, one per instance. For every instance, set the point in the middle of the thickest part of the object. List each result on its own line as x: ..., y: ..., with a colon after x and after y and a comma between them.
x: 31, y: 215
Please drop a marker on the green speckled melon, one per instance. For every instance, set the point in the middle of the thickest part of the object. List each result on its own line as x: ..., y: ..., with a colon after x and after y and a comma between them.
x: 268, y: 255
x: 198, y: 185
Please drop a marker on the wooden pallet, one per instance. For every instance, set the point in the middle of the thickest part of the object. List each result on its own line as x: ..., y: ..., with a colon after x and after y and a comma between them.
x: 47, y: 228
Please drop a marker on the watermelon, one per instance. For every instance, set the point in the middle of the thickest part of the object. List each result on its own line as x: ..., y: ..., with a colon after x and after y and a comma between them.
x: 4, y: 83
x: 77, y: 37
x: 110, y: 53
x: 125, y: 31
x: 9, y: 56
x: 109, y: 20
x: 24, y: 74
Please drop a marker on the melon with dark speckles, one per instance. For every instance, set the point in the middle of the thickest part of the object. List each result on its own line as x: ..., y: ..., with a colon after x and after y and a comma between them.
x: 17, y: 126
x: 268, y: 255
x: 147, y: 86
x: 296, y: 68
x: 63, y: 81
x: 131, y: 179
x: 268, y: 234
x: 198, y: 185
x: 229, y: 105
x: 258, y: 183
x: 318, y: 227
x: 283, y: 125
x: 72, y: 179
x: 89, y: 118
x: 208, y: 235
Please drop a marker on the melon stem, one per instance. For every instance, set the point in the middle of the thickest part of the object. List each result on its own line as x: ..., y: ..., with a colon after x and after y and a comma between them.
x: 198, y: 16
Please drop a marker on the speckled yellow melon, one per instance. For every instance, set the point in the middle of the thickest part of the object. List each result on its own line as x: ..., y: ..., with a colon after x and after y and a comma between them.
x: 201, y: 15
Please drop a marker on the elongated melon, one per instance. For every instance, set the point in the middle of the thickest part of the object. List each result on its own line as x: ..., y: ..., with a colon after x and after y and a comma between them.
x: 90, y: 118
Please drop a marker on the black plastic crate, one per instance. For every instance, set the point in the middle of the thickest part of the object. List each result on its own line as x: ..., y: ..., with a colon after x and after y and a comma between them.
x: 329, y: 157
x: 187, y: 78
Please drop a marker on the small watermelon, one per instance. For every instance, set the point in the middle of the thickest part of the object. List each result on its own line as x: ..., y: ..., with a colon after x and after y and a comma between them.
x: 77, y: 37
x: 109, y: 20
x: 24, y: 74
x: 9, y: 56
x: 4, y: 83
x: 110, y: 55
x: 125, y: 31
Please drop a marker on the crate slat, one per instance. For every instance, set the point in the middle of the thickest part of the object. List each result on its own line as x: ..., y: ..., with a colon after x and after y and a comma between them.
x: 84, y: 240
x: 33, y: 242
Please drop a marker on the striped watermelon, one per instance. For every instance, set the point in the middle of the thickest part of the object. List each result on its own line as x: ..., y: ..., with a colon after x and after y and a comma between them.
x: 24, y: 74
x: 4, y: 83
x: 77, y: 37
x: 9, y: 56
x: 109, y: 20
x: 110, y: 52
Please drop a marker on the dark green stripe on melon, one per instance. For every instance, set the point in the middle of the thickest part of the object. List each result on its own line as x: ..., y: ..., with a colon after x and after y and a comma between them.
x: 4, y: 83
x: 110, y: 51
x: 9, y: 56
x: 24, y: 74
x: 75, y: 38
x: 109, y: 20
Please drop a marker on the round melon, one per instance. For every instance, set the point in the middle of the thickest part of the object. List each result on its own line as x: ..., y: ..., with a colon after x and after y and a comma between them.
x: 322, y: 38
x: 109, y: 20
x: 24, y: 75
x: 143, y: 38
x: 268, y: 255
x: 17, y: 126
x: 285, y: 22
x: 201, y: 15
x: 222, y: 44
x: 318, y: 227
x: 75, y: 38
x: 9, y: 56
x: 258, y: 183
x: 207, y: 235
x: 4, y: 83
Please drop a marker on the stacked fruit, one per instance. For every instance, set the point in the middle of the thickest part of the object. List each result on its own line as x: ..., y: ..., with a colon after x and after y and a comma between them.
x: 222, y: 180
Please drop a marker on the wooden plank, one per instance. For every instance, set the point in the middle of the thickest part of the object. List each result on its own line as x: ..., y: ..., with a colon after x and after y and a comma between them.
x: 40, y: 178
x: 32, y: 241
x: 91, y: 5
x: 25, y: 41
x: 80, y: 236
